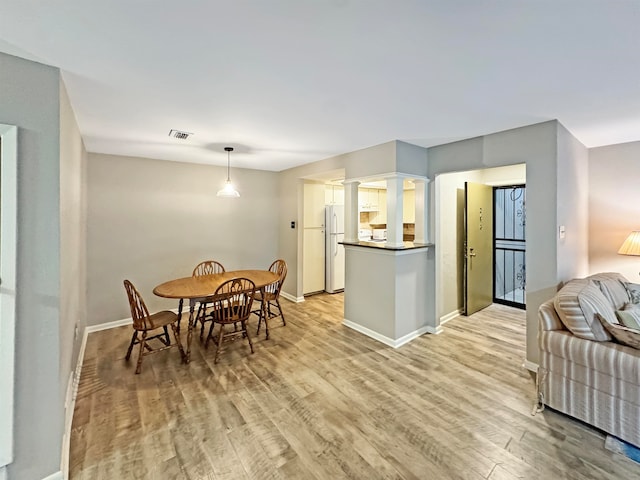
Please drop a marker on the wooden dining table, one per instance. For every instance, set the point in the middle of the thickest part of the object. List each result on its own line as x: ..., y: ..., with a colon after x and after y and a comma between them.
x: 198, y: 289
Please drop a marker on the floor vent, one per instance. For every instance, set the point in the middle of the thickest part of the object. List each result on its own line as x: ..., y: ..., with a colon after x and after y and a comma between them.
x: 180, y: 135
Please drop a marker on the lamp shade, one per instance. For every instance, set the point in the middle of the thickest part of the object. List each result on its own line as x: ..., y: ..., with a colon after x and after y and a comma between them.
x: 631, y: 245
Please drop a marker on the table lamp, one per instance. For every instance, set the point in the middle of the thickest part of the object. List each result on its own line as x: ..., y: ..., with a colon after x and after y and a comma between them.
x: 631, y: 245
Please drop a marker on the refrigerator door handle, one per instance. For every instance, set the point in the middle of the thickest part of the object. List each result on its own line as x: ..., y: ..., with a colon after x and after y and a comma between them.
x: 335, y: 223
x: 335, y: 251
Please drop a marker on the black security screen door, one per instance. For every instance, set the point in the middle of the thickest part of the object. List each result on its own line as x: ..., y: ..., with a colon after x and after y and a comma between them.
x: 509, y: 246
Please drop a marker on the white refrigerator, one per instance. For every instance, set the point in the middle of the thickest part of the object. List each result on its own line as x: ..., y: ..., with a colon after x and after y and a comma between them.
x: 334, y: 251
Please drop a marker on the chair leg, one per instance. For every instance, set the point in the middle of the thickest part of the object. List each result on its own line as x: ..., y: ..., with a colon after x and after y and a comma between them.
x: 167, y: 340
x: 176, y: 334
x: 133, y: 341
x: 259, y: 320
x: 220, y: 337
x: 264, y: 304
x: 266, y: 327
x: 280, y: 310
x: 206, y: 343
x: 244, y: 329
x: 195, y: 321
x: 142, y: 345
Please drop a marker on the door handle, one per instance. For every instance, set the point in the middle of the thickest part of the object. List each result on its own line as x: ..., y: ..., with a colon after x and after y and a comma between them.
x: 471, y: 254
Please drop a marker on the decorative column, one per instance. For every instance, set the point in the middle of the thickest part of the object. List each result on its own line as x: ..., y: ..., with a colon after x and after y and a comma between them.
x: 422, y: 210
x: 394, y: 211
x: 351, y: 215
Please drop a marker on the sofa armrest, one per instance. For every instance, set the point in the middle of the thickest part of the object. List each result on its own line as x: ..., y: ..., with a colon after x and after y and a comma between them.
x: 548, y: 317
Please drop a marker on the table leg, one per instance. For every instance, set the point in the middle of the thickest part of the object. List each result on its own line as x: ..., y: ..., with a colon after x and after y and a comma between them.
x: 264, y: 312
x: 180, y: 313
x: 192, y: 304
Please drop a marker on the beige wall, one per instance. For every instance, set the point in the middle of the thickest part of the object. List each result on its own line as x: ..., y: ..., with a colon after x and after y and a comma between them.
x: 30, y: 99
x: 614, y: 207
x: 151, y: 220
x: 573, y: 206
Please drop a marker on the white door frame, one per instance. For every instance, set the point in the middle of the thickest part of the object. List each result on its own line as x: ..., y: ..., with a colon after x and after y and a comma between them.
x: 8, y: 225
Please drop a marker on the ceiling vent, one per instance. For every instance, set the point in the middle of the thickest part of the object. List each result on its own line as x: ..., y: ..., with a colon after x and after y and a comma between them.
x: 179, y: 134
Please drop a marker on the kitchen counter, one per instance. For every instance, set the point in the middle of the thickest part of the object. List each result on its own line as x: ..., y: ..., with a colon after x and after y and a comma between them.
x: 383, y: 245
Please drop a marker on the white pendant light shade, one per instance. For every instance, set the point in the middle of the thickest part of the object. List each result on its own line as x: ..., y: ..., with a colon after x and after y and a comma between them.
x: 228, y: 190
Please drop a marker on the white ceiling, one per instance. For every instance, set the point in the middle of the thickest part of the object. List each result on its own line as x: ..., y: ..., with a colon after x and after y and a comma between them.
x: 288, y: 82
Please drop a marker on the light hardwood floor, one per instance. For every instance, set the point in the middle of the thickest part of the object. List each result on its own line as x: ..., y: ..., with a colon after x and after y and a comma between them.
x: 321, y: 401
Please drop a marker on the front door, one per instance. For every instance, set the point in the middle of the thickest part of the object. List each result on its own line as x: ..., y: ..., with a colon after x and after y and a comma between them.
x: 478, y: 255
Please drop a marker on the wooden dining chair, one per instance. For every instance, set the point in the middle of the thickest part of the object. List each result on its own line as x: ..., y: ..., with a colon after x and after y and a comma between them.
x: 269, y: 297
x: 208, y: 267
x: 232, y: 305
x: 143, y: 324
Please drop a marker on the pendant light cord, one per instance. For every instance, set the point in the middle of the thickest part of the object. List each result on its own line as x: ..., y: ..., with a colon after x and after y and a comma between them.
x: 229, y: 150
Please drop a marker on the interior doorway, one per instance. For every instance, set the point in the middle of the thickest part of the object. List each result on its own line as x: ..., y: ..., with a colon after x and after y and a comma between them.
x: 449, y: 233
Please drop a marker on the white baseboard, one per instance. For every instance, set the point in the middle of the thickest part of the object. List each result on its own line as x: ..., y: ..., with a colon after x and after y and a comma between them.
x: 70, y: 406
x: 437, y: 330
x: 126, y: 321
x: 450, y: 316
x: 291, y: 298
x: 108, y: 325
x: 533, y: 367
x: 395, y: 343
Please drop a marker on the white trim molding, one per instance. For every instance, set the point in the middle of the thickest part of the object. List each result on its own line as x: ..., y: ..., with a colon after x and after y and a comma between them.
x: 450, y: 316
x: 532, y: 367
x: 437, y: 330
x: 385, y: 176
x: 386, y: 340
x: 70, y: 404
x: 291, y: 298
x: 108, y: 325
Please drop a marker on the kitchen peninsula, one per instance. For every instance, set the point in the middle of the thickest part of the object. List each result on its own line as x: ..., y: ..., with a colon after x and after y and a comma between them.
x: 389, y: 282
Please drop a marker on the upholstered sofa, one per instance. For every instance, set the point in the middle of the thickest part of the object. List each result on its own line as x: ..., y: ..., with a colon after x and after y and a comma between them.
x: 584, y: 371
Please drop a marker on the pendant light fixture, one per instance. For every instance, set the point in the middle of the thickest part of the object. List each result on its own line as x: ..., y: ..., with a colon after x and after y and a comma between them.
x: 228, y: 190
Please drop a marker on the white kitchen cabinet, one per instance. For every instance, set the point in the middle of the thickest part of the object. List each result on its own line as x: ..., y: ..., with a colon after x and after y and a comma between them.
x: 313, y: 238
x: 380, y: 216
x: 368, y: 199
x: 409, y: 206
x: 334, y: 195
x: 314, y: 198
x: 313, y: 260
